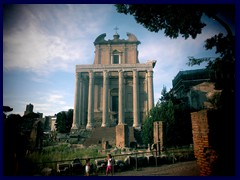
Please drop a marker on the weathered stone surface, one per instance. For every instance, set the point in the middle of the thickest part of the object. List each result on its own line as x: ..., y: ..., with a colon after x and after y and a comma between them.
x: 122, y: 136
x: 158, y: 136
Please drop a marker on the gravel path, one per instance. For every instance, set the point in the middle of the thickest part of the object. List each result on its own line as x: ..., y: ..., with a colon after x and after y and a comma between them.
x: 188, y: 168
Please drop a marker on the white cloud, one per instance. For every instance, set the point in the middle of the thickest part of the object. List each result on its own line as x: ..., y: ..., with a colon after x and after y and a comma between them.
x: 52, y: 102
x: 54, y: 37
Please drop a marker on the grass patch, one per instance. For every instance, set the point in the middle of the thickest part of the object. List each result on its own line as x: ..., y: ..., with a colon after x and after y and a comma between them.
x: 62, y: 152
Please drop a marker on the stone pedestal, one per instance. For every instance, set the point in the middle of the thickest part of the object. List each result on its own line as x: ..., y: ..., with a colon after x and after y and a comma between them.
x: 122, y: 136
x: 158, y: 135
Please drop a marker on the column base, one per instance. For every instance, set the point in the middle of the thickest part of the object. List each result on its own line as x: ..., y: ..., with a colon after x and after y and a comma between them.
x: 137, y: 127
x: 74, y: 126
x: 89, y: 126
x: 121, y: 123
x: 74, y: 131
x: 105, y: 125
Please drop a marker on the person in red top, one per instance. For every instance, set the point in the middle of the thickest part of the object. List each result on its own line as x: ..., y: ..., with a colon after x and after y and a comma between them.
x: 87, y: 167
x: 109, y: 165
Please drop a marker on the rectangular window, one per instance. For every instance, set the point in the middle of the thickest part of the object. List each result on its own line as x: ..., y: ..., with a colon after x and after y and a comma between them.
x: 115, y: 103
x: 115, y: 59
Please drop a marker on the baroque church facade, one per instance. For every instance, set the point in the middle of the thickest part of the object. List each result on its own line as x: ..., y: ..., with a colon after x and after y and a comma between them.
x: 116, y: 89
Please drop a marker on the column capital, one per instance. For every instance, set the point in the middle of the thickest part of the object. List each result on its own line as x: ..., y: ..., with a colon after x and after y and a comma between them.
x: 105, y: 73
x: 120, y: 72
x: 77, y: 75
x: 91, y: 74
x: 150, y: 73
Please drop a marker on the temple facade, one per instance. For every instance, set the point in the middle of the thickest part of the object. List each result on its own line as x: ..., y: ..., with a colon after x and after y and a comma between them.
x: 116, y: 89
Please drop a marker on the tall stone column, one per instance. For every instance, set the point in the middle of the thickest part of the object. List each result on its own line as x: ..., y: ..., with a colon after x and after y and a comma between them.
x: 121, y: 97
x: 146, y: 95
x: 150, y: 90
x: 80, y: 99
x: 136, y: 123
x: 110, y: 54
x: 90, y: 100
x: 83, y: 101
x: 105, y: 99
x: 76, y: 103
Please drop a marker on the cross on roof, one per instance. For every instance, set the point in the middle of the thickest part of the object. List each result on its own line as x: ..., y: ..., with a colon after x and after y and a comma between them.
x: 116, y: 28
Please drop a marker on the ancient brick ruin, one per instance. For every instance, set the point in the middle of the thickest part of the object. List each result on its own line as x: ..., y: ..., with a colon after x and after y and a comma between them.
x: 122, y: 137
x: 158, y: 136
x: 213, y: 142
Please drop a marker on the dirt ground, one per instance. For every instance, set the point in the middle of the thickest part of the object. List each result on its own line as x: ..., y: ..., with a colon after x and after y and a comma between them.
x: 188, y: 168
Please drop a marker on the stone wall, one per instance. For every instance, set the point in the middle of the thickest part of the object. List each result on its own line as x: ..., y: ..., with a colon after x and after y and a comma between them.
x: 213, y: 142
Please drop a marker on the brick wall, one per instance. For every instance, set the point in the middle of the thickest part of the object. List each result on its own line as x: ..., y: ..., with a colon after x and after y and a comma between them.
x: 213, y: 142
x: 200, y: 130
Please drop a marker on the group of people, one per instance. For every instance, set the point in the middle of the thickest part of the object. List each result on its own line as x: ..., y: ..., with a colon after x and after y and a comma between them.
x: 109, y: 168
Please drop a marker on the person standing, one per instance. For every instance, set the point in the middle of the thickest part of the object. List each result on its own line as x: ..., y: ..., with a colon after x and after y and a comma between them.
x: 87, y: 167
x: 109, y: 165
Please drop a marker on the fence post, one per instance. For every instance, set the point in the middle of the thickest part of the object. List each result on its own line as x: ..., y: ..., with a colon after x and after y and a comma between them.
x: 156, y: 158
x: 113, y: 165
x: 136, y: 160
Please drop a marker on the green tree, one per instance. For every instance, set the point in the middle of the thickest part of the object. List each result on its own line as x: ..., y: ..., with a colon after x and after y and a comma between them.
x: 147, y: 128
x: 69, y: 120
x: 13, y: 144
x: 163, y: 111
x: 175, y: 115
x: 64, y: 121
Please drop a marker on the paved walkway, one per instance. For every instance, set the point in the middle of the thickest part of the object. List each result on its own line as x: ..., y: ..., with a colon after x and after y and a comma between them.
x: 188, y: 168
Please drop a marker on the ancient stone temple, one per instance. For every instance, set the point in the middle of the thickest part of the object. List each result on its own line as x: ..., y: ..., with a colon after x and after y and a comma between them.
x: 116, y: 89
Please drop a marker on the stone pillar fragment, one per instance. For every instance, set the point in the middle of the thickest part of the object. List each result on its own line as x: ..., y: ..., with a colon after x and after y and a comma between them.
x: 90, y: 100
x: 158, y: 136
x: 105, y: 99
x: 122, y: 136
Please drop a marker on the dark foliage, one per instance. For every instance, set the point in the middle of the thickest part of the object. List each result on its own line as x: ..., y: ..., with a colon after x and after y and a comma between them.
x: 64, y: 121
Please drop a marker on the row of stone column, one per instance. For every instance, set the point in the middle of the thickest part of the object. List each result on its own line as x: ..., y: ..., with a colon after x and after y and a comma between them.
x: 79, y: 102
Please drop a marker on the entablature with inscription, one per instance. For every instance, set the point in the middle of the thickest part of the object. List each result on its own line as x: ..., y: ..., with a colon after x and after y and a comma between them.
x: 114, y: 67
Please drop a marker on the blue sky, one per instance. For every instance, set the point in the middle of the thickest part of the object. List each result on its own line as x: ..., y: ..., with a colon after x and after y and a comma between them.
x: 42, y: 44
